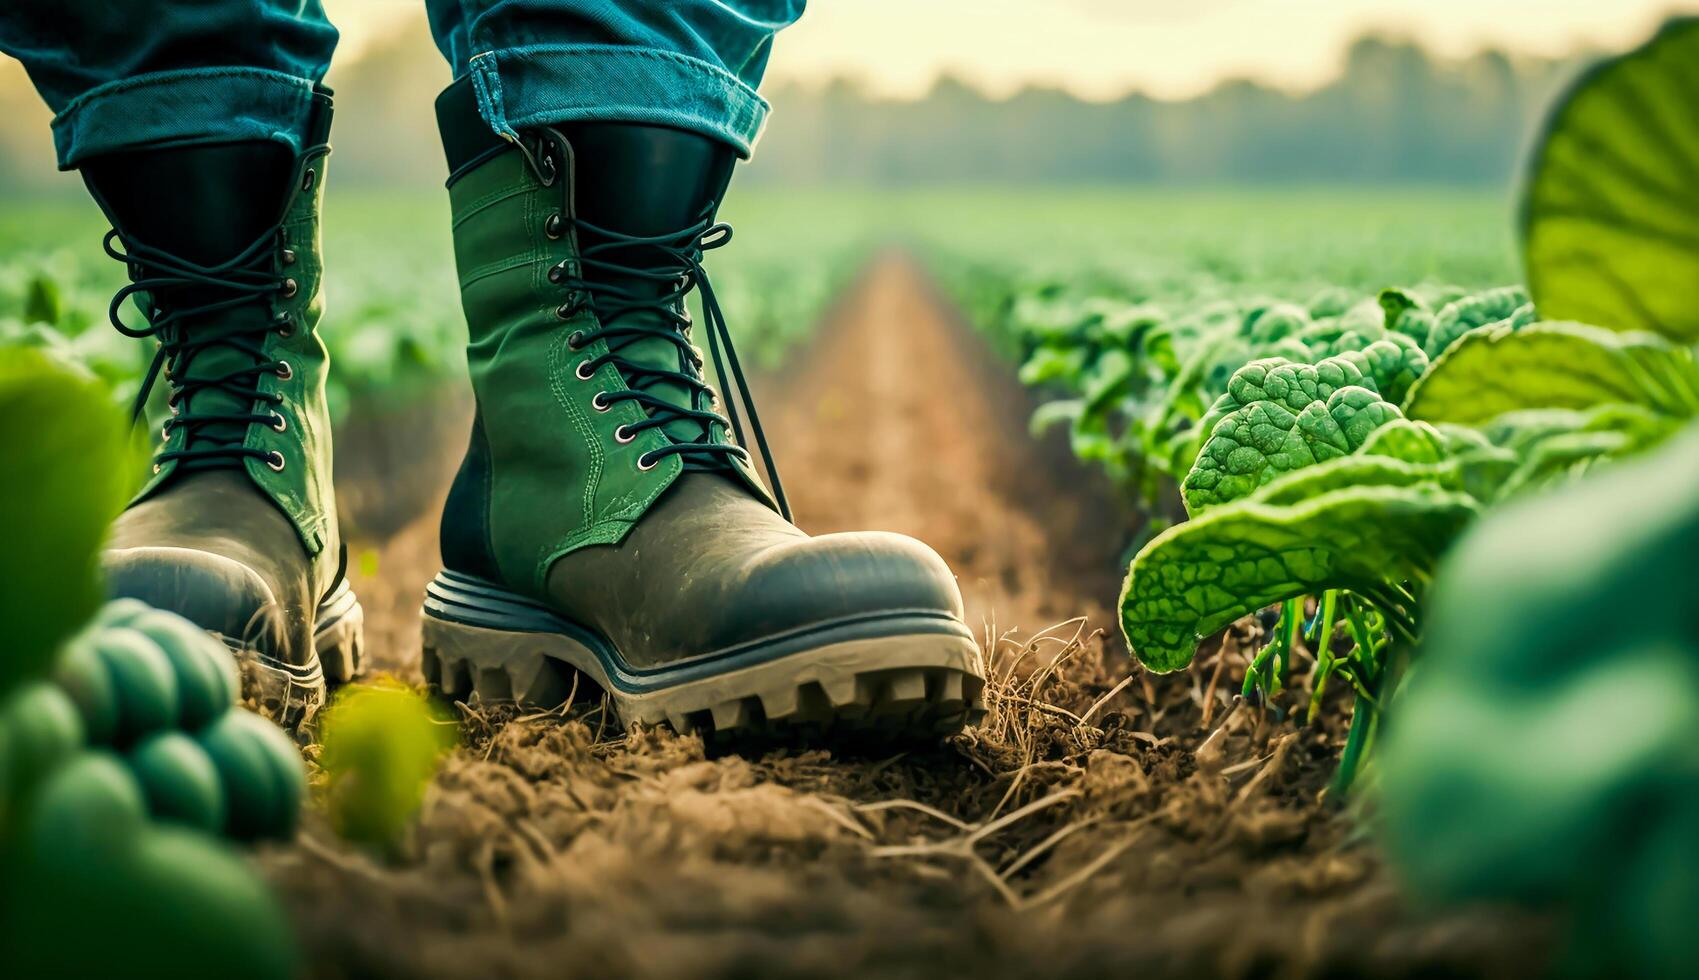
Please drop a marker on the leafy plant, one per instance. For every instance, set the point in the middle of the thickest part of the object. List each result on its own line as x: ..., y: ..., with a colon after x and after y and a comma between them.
x: 1610, y: 217
x: 112, y: 783
x: 1365, y: 510
x: 1547, y: 750
x: 68, y: 460
x: 382, y: 744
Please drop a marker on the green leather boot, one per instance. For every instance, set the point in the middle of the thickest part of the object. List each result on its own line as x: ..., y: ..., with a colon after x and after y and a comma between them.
x: 604, y: 521
x: 236, y: 528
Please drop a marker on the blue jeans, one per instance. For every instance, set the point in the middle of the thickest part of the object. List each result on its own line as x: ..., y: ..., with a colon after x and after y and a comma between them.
x: 125, y: 74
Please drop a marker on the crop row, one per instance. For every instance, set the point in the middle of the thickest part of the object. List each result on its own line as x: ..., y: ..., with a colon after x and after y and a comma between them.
x: 1418, y: 492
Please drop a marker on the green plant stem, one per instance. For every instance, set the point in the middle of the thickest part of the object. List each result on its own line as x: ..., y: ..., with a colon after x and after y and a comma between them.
x: 1324, y: 651
x: 1364, y: 716
x: 1278, y: 646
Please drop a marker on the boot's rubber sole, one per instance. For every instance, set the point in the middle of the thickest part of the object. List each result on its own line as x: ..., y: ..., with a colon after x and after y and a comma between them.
x: 899, y: 675
x: 291, y: 694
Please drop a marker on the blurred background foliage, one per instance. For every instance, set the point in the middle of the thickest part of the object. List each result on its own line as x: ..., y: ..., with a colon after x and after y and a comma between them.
x: 1395, y: 113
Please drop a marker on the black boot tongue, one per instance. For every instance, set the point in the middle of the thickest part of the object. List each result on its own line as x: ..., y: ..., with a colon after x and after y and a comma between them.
x: 646, y: 181
x: 203, y: 205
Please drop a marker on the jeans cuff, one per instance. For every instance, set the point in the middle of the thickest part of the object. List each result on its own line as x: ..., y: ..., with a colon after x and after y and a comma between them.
x: 184, y: 108
x: 546, y: 84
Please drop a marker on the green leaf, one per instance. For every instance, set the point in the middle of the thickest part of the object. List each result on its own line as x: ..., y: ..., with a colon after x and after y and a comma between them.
x: 1052, y: 414
x: 1472, y: 312
x: 1543, y: 751
x: 1394, y: 303
x: 1257, y: 443
x: 1553, y: 365
x: 66, y: 475
x: 1277, y: 323
x: 1606, y: 433
x: 1610, y: 212
x: 1053, y: 363
x: 1298, y: 537
x: 382, y: 744
x: 43, y: 305
x: 1393, y: 364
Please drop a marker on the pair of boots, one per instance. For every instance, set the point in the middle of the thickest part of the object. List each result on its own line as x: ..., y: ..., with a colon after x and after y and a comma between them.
x: 606, y: 519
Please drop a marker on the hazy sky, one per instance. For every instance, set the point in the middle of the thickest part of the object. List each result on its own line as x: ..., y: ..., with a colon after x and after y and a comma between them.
x: 1101, y: 48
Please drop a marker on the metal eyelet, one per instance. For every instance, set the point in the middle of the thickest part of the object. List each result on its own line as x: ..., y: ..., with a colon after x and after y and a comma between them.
x: 278, y: 422
x: 165, y: 432
x: 575, y: 339
x: 583, y: 375
x: 557, y: 273
x: 276, y: 461
x: 645, y: 464
x: 285, y: 324
x: 623, y: 435
x: 555, y: 227
x: 290, y: 288
x: 548, y: 168
x: 156, y: 469
x: 600, y: 403
x: 284, y: 371
x: 308, y: 179
x: 565, y: 311
x: 288, y: 256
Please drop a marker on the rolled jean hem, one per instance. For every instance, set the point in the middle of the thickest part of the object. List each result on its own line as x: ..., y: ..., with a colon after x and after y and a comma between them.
x: 542, y: 85
x: 184, y: 108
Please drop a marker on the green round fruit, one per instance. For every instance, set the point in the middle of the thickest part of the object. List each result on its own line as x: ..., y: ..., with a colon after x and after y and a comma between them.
x: 90, y: 806
x: 179, y: 780
x: 85, y: 678
x: 173, y: 903
x: 145, y: 682
x: 263, y: 777
x: 207, y: 684
x: 42, y: 731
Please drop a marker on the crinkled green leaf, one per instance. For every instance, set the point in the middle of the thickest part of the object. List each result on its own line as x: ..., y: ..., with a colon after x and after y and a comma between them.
x: 1393, y: 364
x: 1407, y: 440
x: 1610, y: 213
x: 1357, y: 470
x: 1277, y: 379
x: 1196, y: 578
x: 1329, y: 302
x: 1288, y: 349
x: 1482, y: 309
x: 1554, y: 365
x: 1395, y: 303
x: 1475, y: 465
x: 1257, y: 443
x: 1278, y: 322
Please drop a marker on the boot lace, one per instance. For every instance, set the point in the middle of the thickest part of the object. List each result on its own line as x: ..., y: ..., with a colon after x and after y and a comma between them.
x: 167, y: 281
x: 673, y: 261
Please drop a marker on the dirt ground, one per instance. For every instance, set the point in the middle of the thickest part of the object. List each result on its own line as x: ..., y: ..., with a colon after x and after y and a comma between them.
x: 1101, y: 821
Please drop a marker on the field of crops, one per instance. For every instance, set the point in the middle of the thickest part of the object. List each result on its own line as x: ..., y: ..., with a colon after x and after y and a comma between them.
x: 1332, y: 550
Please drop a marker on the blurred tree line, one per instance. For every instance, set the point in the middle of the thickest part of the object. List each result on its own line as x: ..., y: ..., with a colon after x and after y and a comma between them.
x: 1394, y: 115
